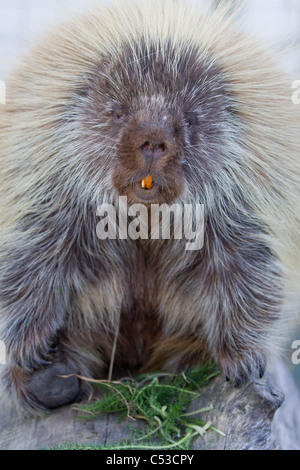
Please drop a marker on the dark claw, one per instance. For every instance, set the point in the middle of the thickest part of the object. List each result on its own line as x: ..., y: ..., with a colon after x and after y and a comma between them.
x: 38, y: 365
x: 262, y: 371
x: 43, y: 363
x: 239, y: 382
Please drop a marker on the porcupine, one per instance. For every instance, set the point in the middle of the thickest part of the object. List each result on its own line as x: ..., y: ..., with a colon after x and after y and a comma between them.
x: 131, y: 89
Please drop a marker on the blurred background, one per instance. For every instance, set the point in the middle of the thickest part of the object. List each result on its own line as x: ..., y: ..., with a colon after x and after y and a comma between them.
x: 23, y: 21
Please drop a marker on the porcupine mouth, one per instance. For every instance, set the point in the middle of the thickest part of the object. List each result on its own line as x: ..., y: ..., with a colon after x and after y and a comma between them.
x: 144, y: 194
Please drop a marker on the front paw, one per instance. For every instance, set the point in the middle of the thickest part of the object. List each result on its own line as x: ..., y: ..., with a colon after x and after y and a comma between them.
x: 50, y: 389
x: 31, y: 391
x: 240, y: 366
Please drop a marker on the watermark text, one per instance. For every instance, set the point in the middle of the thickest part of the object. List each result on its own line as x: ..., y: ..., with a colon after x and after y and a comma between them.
x: 296, y: 354
x: 137, y: 221
x: 296, y: 94
x: 2, y: 353
x: 2, y: 92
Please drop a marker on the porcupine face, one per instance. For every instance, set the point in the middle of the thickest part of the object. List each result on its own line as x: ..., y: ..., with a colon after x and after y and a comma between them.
x: 160, y: 111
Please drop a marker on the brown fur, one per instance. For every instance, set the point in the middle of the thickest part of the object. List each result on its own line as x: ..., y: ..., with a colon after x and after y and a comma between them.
x: 75, y: 133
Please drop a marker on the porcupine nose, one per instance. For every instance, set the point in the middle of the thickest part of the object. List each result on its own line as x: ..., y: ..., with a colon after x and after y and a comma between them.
x: 153, y: 151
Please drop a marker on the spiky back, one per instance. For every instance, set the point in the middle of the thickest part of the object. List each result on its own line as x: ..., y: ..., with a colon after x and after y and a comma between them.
x: 40, y: 135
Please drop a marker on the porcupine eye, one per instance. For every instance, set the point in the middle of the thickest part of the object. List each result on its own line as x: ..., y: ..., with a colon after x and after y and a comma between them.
x: 118, y: 115
x: 190, y: 120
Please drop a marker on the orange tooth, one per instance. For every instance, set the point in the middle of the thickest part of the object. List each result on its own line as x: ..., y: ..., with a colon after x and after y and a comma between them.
x: 147, y: 182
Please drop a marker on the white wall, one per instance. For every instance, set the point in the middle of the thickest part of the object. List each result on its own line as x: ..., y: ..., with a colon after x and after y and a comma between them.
x: 278, y: 20
x: 21, y: 21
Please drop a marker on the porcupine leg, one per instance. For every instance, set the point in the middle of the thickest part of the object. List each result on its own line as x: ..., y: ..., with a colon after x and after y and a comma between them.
x: 34, y: 301
x: 244, y: 298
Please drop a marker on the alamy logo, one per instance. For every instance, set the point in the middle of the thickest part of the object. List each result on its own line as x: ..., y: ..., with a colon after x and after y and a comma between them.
x: 2, y: 92
x: 296, y: 94
x: 2, y: 353
x: 164, y: 222
x: 296, y: 354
